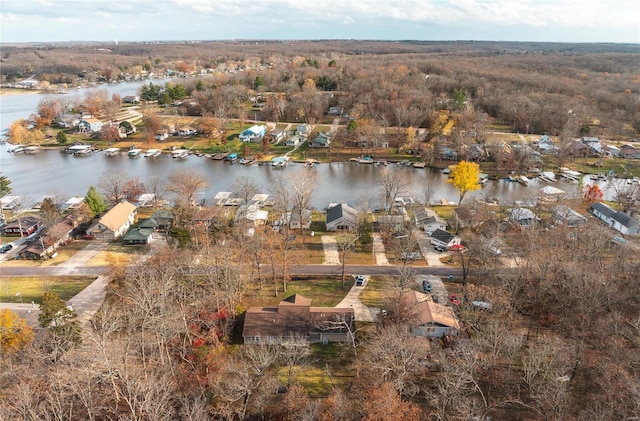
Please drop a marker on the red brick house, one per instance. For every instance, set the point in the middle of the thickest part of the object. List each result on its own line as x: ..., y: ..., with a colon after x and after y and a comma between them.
x: 23, y: 226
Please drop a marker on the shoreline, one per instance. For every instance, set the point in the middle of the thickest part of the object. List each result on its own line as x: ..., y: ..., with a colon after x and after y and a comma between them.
x: 18, y: 91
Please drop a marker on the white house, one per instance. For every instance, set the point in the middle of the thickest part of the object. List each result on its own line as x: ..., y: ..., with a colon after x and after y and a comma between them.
x: 429, y: 221
x: 567, y: 216
x: 253, y: 134
x: 115, y: 223
x: 294, y: 218
x: 522, y: 216
x: 303, y: 130
x: 442, y: 238
x: 545, y: 144
x: 615, y: 219
x: 294, y: 141
x: 341, y: 217
x: 89, y: 125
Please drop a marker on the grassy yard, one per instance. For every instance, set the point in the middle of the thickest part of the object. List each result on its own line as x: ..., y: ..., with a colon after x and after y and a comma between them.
x: 309, y: 250
x: 338, y: 358
x: 322, y: 292
x: 378, y: 290
x: 116, y: 252
x: 64, y: 253
x: 33, y: 288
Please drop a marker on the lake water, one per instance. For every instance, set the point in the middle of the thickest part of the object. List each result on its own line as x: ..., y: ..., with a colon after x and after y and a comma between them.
x: 52, y: 173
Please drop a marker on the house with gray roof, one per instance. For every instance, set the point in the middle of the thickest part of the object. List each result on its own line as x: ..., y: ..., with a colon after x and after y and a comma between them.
x: 341, y: 217
x: 618, y: 220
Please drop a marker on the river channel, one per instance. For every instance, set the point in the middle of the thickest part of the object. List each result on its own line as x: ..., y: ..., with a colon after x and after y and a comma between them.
x: 54, y: 173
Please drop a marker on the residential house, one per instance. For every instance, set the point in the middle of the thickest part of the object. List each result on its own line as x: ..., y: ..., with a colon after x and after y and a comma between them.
x: 22, y: 227
x: 115, y: 223
x: 294, y: 141
x: 429, y: 319
x: 294, y: 220
x: 161, y: 135
x: 546, y: 145
x: 551, y: 194
x: 579, y: 149
x: 126, y: 128
x: 341, y: 217
x: 322, y: 140
x: 303, y: 130
x: 336, y: 111
x: 429, y: 221
x: 131, y: 99
x: 253, y: 134
x: 295, y: 318
x: 252, y: 214
x: 612, y: 150
x: 89, y: 125
x: 523, y: 217
x: 618, y: 220
x: 448, y: 154
x: 187, y: 131
x: 138, y: 236
x: 442, y: 238
x: 565, y: 215
x: 388, y: 223
x: 629, y: 152
x: 212, y: 217
x: 278, y: 136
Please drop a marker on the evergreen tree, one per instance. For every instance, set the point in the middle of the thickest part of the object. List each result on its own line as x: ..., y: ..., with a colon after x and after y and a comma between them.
x: 5, y: 185
x: 95, y: 201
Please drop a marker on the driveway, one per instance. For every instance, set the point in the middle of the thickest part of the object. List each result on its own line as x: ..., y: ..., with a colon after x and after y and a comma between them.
x: 430, y: 254
x: 437, y: 288
x: 352, y: 300
x: 331, y: 255
x: 378, y: 251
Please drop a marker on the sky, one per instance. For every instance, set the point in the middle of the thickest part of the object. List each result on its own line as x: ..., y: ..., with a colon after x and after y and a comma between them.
x: 616, y: 21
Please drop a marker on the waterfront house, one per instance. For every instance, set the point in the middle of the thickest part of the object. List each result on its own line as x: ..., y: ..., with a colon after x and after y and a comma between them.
x: 294, y: 219
x: 131, y: 99
x: 629, y: 152
x: 618, y: 220
x: 294, y: 141
x: 115, y: 223
x: 253, y: 134
x: 322, y: 140
x: 341, y: 217
x: 523, y: 217
x: 545, y: 144
x: 22, y: 227
x: 429, y: 319
x: 295, y: 318
x: 565, y: 215
x: 187, y: 131
x: 89, y: 125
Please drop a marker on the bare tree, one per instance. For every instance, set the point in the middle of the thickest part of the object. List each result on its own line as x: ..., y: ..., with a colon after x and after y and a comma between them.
x: 393, y: 183
x: 112, y: 185
x: 184, y: 185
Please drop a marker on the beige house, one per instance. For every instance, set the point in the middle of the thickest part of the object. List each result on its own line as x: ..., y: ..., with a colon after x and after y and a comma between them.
x: 428, y: 318
x: 115, y: 223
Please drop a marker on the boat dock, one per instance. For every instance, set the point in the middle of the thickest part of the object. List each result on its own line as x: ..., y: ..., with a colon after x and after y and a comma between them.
x: 111, y: 151
x: 152, y: 153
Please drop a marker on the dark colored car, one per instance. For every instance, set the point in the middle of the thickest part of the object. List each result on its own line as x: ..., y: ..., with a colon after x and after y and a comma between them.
x: 5, y: 248
x: 426, y: 286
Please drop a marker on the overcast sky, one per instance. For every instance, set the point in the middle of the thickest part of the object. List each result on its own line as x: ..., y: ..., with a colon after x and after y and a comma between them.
x: 149, y: 20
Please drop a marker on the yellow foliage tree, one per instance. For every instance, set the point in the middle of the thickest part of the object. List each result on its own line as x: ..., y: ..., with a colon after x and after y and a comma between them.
x: 465, y: 177
x: 15, y: 334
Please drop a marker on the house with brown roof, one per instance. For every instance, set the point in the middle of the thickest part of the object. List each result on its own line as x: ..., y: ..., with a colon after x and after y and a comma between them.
x: 22, y: 226
x: 115, y: 223
x: 428, y: 318
x: 294, y: 317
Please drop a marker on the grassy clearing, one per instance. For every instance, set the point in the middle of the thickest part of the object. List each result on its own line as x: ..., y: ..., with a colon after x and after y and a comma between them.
x: 33, y: 288
x: 116, y: 252
x: 338, y: 358
x: 322, y: 292
x: 379, y: 289
x: 310, y: 251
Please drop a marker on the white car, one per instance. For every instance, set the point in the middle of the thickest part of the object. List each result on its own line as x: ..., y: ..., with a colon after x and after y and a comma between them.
x: 360, y: 280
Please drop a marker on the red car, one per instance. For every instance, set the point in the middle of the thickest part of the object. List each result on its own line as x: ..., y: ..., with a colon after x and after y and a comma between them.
x: 455, y: 300
x: 458, y: 247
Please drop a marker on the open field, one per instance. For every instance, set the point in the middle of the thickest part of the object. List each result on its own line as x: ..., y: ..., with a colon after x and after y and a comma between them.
x: 33, y: 288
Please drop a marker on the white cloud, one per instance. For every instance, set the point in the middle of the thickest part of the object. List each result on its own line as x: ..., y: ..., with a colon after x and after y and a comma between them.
x: 615, y: 21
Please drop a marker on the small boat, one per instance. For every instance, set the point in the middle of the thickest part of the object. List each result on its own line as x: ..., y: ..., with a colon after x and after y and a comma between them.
x: 31, y: 149
x: 79, y: 150
x: 18, y: 149
x: 134, y: 153
x: 446, y: 171
x: 547, y: 176
x: 232, y: 157
x: 381, y: 163
x: 365, y: 160
x: 151, y: 153
x: 180, y: 153
x: 279, y: 162
x: 523, y: 180
x: 111, y: 151
x: 419, y: 165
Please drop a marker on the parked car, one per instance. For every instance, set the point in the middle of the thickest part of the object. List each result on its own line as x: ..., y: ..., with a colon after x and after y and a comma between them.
x: 458, y: 247
x: 383, y: 312
x: 455, y: 300
x: 494, y: 250
x: 440, y: 248
x: 5, y: 248
x: 361, y: 280
x: 414, y: 255
x: 426, y: 286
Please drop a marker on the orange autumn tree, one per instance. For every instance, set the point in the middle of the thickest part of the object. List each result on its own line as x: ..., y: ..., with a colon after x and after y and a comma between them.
x: 593, y: 193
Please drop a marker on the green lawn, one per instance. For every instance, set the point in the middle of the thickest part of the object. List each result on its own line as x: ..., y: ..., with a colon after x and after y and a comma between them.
x: 322, y: 292
x: 378, y: 290
x: 33, y: 288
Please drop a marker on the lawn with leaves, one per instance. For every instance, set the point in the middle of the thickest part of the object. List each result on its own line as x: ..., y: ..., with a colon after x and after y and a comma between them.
x: 27, y: 289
